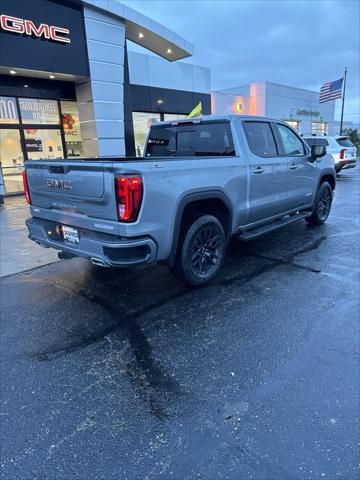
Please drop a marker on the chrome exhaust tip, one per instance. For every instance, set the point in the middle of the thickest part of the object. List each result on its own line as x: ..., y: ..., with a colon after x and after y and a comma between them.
x: 98, y: 262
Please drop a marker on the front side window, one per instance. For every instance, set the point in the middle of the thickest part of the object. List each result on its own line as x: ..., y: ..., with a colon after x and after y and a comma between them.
x: 292, y: 144
x: 203, y: 139
x: 260, y: 139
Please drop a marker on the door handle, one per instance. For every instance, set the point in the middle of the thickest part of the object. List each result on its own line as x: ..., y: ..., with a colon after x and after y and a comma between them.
x: 293, y: 167
x: 259, y: 170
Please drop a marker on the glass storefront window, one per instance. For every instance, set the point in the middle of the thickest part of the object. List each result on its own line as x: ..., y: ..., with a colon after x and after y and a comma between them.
x: 42, y: 144
x: 8, y: 110
x: 168, y: 117
x: 39, y: 112
x: 319, y: 128
x: 295, y: 124
x: 39, y: 130
x: 71, y: 124
x: 142, y: 122
x: 11, y: 160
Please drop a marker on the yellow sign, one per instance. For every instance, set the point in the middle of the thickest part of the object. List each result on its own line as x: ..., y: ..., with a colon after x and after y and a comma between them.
x: 196, y: 112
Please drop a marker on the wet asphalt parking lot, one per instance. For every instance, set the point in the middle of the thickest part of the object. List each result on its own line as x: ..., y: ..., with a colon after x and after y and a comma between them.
x: 131, y: 375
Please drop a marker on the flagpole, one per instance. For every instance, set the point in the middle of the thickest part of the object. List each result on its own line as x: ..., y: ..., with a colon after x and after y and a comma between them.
x: 343, y: 101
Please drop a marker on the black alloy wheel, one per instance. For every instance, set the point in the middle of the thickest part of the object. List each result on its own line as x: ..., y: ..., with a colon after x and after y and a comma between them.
x: 322, y: 205
x: 201, y: 251
x: 205, y: 250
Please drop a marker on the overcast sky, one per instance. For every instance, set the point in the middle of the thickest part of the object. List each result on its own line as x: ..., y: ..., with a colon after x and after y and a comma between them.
x: 293, y: 42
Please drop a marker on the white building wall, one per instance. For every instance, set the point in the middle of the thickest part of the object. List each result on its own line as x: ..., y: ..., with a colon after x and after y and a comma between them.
x: 154, y: 71
x: 276, y: 101
x: 100, y: 98
x: 289, y: 103
x: 229, y: 104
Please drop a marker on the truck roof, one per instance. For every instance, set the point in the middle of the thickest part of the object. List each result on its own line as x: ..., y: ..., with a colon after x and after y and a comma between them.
x: 218, y: 117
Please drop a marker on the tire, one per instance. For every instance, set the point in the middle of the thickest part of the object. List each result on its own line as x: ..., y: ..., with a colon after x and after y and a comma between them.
x: 322, y: 205
x: 201, y: 251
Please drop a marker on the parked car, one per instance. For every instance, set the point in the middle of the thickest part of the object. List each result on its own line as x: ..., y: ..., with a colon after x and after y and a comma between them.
x: 200, y: 182
x: 339, y: 147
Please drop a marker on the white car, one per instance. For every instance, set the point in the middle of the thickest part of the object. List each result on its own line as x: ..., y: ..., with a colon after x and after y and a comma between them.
x: 339, y: 147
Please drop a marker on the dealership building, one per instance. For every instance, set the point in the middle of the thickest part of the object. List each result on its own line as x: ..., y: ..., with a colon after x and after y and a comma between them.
x: 70, y: 88
x: 297, y: 106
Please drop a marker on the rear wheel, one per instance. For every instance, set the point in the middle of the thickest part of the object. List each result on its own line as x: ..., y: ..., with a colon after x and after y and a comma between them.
x: 322, y: 205
x: 201, y: 252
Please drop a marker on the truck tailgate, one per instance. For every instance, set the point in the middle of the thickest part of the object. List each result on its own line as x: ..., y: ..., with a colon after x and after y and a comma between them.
x: 84, y: 188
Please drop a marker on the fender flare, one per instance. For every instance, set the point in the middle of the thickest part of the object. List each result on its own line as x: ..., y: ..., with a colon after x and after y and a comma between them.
x: 326, y: 172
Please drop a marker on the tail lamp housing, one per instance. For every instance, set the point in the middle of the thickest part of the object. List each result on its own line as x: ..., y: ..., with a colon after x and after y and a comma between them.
x: 129, y: 193
x: 342, y: 154
x: 26, y: 187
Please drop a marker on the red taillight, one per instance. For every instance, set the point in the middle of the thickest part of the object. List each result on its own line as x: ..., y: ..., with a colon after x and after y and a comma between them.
x: 342, y: 154
x: 129, y: 190
x: 26, y: 187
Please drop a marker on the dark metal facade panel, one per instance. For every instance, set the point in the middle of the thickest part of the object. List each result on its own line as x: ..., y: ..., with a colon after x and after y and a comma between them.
x: 29, y: 52
x: 165, y: 100
x: 37, y: 88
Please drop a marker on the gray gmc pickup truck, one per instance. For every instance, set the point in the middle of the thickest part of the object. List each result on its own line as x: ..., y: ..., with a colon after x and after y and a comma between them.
x: 200, y: 182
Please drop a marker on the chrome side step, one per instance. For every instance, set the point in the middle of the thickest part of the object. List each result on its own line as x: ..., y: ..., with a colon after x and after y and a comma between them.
x: 269, y: 227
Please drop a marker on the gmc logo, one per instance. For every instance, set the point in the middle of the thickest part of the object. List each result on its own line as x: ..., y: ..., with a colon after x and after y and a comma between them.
x: 27, y: 27
x: 55, y: 183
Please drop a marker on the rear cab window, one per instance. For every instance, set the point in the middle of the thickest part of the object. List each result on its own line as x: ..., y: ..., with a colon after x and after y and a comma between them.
x: 344, y: 142
x: 187, y: 139
x: 260, y: 138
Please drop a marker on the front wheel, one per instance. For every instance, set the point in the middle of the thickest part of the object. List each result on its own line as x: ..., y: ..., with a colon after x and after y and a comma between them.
x: 322, y: 205
x: 202, y: 251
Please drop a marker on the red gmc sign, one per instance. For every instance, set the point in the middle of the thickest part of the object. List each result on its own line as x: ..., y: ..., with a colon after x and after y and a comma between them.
x: 27, y: 27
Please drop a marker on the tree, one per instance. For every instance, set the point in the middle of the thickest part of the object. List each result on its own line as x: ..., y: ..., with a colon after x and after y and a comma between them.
x: 354, y: 137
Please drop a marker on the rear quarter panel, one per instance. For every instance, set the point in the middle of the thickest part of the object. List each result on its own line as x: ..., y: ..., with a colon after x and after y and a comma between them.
x: 168, y: 182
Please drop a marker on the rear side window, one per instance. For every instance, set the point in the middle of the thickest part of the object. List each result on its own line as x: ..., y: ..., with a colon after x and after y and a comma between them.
x: 291, y: 142
x: 316, y: 141
x: 193, y: 140
x: 260, y: 139
x: 344, y: 142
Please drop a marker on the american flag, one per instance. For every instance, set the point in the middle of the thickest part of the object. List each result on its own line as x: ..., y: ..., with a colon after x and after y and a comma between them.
x: 331, y: 90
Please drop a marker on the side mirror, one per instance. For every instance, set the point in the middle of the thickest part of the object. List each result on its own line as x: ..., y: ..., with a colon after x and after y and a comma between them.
x: 317, y: 151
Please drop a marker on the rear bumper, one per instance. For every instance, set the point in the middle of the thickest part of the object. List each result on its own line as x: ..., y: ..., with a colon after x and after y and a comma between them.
x: 349, y: 164
x: 343, y: 164
x: 101, y: 248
